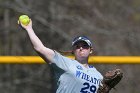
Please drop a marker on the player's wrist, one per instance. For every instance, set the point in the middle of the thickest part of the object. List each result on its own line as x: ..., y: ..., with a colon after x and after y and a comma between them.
x: 29, y: 29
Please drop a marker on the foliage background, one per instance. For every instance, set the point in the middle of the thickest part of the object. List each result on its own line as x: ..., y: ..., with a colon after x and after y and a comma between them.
x: 112, y: 25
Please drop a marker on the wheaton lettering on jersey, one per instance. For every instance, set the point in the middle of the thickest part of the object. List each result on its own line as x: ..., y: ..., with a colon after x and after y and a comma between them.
x: 86, y: 77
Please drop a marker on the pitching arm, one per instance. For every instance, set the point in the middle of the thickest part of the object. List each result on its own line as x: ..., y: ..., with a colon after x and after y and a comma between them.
x: 46, y: 53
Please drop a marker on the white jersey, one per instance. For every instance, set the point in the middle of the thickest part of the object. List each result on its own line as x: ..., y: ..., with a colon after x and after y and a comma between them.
x: 75, y: 78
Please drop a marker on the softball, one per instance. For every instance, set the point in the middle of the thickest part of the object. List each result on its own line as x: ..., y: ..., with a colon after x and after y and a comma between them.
x: 24, y: 19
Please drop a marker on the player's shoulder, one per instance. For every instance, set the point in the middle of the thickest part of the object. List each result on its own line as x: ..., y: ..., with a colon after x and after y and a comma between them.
x: 60, y: 56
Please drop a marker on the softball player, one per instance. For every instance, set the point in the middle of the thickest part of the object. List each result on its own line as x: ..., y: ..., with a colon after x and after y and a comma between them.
x: 73, y: 76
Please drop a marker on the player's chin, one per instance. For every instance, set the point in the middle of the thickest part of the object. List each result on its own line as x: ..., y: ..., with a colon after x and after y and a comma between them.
x: 83, y: 56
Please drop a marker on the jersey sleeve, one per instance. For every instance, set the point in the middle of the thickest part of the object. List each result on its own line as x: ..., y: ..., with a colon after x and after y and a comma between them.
x: 63, y: 62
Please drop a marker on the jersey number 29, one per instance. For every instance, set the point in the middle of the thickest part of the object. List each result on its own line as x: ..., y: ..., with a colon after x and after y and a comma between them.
x: 88, y: 89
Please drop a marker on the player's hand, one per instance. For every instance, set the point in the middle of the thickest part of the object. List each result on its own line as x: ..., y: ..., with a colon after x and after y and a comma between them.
x: 29, y: 26
x: 111, y: 79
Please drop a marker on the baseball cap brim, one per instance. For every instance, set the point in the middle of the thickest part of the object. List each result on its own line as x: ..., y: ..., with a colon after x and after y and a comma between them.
x: 80, y: 39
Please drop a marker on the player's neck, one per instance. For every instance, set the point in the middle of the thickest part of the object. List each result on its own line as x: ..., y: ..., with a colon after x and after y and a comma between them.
x: 85, y: 65
x: 83, y: 62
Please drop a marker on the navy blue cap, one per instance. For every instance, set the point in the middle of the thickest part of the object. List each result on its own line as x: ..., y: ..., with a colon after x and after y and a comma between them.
x: 81, y: 38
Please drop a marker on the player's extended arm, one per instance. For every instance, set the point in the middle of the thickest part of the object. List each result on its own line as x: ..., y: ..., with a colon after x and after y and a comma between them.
x: 46, y: 53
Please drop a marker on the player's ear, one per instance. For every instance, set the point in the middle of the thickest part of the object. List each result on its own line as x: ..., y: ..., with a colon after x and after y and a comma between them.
x: 91, y: 50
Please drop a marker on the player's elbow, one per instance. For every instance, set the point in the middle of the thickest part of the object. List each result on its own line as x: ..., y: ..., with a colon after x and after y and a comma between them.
x: 46, y: 53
